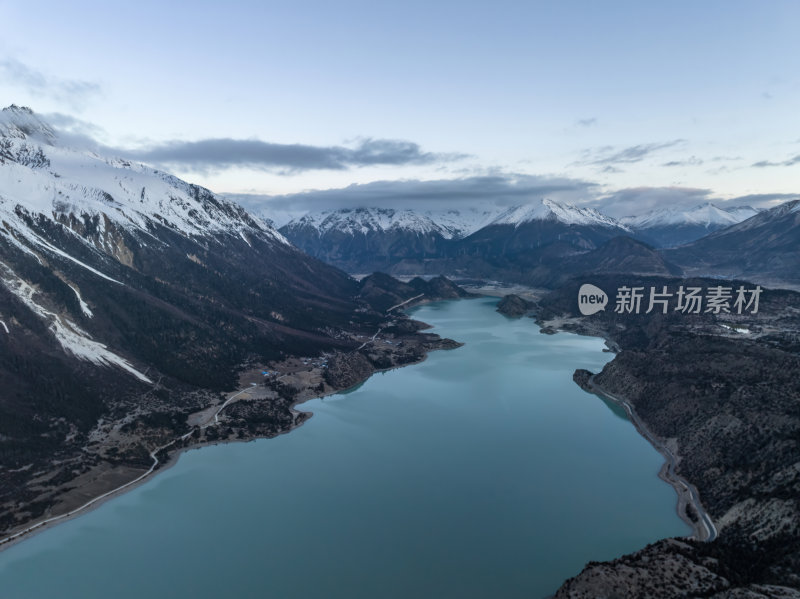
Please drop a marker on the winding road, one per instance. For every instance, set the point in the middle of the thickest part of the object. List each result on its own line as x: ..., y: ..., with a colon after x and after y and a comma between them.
x: 411, y: 299
x: 710, y: 531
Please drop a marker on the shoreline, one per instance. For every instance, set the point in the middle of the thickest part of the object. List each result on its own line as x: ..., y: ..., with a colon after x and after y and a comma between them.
x: 703, y: 529
x: 172, y: 457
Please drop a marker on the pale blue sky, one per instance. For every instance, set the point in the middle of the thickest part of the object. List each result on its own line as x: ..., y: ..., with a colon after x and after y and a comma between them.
x: 616, y: 94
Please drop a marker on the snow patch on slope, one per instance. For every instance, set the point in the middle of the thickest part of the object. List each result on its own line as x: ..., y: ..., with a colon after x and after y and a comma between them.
x: 14, y: 225
x: 84, y: 306
x: 72, y: 338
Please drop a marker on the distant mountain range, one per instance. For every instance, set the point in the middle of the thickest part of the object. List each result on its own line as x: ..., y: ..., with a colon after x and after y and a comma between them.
x: 368, y: 239
x: 530, y: 243
x: 672, y: 227
x: 765, y: 247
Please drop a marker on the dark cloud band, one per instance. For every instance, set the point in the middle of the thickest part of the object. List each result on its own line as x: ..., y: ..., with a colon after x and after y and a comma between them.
x: 443, y: 193
x: 217, y: 154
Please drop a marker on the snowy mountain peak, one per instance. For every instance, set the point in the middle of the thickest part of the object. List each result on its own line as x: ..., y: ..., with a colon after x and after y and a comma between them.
x: 787, y: 207
x: 449, y: 223
x: 362, y: 221
x: 707, y: 215
x: 551, y: 210
x: 48, y: 187
x: 59, y: 183
x: 21, y: 122
x: 766, y: 217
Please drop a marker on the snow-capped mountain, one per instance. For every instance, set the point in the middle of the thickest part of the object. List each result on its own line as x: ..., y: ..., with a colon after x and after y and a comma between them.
x: 448, y: 223
x: 765, y: 247
x: 533, y: 226
x: 41, y: 176
x: 550, y: 210
x: 365, y: 221
x: 464, y: 221
x: 83, y: 221
x: 671, y: 227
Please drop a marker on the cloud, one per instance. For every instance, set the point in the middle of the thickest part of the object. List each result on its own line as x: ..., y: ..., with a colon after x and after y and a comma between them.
x: 75, y: 132
x: 763, y: 200
x: 74, y: 92
x: 691, y: 161
x: 210, y: 155
x: 790, y: 162
x: 606, y: 155
x: 218, y: 154
x: 495, y: 190
x: 587, y: 122
x: 638, y: 200
x: 71, y: 124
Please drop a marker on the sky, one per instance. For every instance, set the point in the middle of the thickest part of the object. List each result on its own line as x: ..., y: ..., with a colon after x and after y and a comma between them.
x: 626, y: 106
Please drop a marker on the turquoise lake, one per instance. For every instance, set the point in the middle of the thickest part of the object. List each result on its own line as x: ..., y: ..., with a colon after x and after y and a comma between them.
x: 484, y: 471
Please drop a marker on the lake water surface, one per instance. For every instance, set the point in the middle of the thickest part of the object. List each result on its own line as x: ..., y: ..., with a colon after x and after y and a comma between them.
x: 482, y: 472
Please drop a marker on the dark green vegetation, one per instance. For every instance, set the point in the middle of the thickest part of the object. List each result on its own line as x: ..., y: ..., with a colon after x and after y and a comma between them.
x: 730, y: 403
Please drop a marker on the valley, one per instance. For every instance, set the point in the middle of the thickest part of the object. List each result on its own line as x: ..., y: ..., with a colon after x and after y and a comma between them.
x: 143, y: 316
